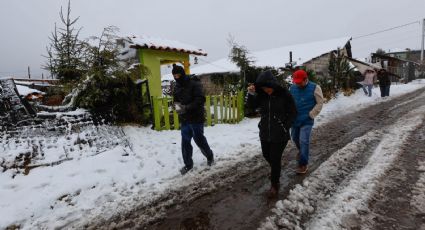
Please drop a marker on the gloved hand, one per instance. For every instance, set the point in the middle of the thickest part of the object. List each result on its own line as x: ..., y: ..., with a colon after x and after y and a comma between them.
x: 180, y: 109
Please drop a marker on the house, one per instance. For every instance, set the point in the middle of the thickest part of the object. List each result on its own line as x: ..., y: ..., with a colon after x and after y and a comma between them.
x: 407, y: 70
x: 313, y: 55
x: 407, y: 54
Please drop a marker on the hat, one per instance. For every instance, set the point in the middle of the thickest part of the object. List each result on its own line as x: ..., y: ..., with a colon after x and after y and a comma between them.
x: 178, y: 70
x: 299, y: 76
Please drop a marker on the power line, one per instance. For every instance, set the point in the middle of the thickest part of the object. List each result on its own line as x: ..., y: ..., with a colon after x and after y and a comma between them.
x: 214, y: 64
x: 392, y: 28
x: 381, y: 42
x: 362, y: 48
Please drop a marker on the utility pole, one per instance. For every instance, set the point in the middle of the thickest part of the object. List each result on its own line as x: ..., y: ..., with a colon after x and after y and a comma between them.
x: 29, y: 73
x: 422, y: 44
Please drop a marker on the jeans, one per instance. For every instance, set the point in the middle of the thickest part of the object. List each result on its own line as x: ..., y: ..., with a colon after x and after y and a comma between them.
x: 301, y: 137
x: 385, y: 90
x: 273, y: 152
x: 369, y: 90
x: 195, y: 131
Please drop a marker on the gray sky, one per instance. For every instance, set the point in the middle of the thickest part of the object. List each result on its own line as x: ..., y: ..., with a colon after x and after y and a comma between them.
x: 26, y: 24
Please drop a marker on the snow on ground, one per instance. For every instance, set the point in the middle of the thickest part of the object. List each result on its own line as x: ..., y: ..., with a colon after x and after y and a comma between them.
x: 418, y: 200
x: 348, y: 104
x: 135, y: 165
x: 316, y: 192
x: 76, y: 112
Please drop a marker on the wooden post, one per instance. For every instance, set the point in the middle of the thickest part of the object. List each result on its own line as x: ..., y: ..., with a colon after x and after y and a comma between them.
x: 221, y: 108
x: 176, y: 120
x: 208, y: 109
x: 215, y: 110
x: 157, y: 113
x: 225, y: 110
x: 166, y: 113
x: 234, y: 109
x: 241, y: 112
x: 29, y: 73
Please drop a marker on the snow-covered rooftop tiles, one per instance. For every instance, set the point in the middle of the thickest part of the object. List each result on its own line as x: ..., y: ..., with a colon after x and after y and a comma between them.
x: 156, y: 43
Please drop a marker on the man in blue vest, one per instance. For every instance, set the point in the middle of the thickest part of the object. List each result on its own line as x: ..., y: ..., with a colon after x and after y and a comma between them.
x: 309, y: 101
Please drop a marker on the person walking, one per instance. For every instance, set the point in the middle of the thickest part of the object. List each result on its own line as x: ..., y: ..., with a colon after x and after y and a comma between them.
x: 369, y: 79
x: 189, y: 103
x: 309, y: 101
x: 384, y: 79
x: 278, y: 112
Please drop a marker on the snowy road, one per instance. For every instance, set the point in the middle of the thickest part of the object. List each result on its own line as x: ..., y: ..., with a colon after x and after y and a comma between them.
x: 353, y: 160
x: 74, y: 172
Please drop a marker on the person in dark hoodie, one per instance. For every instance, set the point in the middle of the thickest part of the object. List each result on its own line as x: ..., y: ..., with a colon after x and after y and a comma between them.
x: 278, y: 111
x: 189, y: 103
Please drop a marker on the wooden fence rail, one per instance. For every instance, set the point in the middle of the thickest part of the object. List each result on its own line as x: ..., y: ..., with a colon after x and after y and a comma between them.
x: 220, y: 109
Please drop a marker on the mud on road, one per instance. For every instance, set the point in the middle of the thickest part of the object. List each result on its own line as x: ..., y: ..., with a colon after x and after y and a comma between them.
x: 235, y: 198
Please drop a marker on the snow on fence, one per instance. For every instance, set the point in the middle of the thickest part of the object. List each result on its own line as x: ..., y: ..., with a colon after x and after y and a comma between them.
x: 220, y: 109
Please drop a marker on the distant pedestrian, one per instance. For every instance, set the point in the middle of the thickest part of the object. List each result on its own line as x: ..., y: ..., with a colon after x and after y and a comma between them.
x: 309, y: 101
x: 384, y: 79
x: 278, y: 112
x: 369, y: 79
x: 189, y: 102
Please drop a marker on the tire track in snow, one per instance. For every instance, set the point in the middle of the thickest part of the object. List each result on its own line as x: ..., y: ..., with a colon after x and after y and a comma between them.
x: 317, y: 198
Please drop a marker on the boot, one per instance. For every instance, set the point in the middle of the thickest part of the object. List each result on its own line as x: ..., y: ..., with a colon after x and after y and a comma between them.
x: 302, y: 169
x: 185, y: 169
x: 210, y: 161
x: 274, y: 191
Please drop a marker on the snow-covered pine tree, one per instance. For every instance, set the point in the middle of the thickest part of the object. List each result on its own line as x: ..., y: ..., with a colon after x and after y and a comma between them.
x: 65, y: 53
x: 239, y: 55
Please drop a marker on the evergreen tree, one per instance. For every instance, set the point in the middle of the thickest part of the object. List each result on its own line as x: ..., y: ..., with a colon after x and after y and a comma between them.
x: 341, y: 72
x: 239, y: 55
x: 65, y: 53
x: 380, y: 51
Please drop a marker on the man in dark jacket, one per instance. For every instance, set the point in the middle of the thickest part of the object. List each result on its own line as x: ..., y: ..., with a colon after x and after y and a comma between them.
x: 278, y: 111
x: 189, y: 103
x: 384, y: 79
x: 309, y: 101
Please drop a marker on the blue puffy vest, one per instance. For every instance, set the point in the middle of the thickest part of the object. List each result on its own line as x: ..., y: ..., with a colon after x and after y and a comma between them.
x: 305, y: 102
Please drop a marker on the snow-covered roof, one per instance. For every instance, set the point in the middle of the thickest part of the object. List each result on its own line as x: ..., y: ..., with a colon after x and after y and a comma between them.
x: 276, y: 57
x: 38, y: 83
x: 24, y: 91
x: 163, y: 44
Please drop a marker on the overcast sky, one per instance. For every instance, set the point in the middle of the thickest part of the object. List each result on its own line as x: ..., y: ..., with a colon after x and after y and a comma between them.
x: 26, y: 24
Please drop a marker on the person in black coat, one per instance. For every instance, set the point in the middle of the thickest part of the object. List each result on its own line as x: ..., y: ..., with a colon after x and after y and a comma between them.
x: 278, y: 112
x: 384, y: 79
x: 189, y: 101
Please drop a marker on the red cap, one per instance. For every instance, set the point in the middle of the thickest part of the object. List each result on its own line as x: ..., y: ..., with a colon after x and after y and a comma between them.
x: 299, y: 76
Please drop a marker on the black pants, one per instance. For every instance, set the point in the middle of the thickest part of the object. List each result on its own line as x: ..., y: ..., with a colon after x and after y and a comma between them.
x: 273, y: 152
x: 385, y: 90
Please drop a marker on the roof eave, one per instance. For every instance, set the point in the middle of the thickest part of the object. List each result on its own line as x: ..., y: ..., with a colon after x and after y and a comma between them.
x: 137, y: 46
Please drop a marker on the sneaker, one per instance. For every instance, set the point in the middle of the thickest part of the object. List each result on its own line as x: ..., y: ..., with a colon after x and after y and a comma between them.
x: 185, y: 169
x: 210, y: 161
x: 302, y: 169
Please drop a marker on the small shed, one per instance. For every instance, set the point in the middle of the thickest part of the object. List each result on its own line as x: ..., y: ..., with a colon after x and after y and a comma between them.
x: 407, y: 70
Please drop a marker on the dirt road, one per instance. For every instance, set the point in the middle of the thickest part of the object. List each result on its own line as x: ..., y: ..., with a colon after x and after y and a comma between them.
x: 235, y: 198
